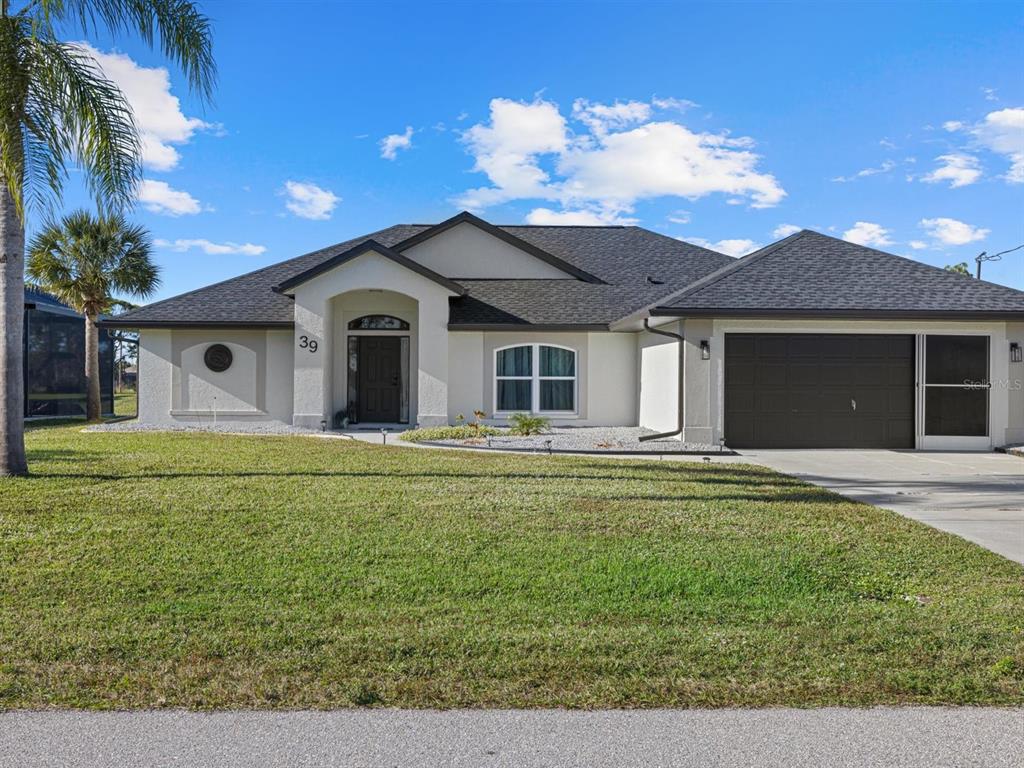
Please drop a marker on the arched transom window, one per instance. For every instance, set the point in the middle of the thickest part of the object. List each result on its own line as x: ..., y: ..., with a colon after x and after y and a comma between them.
x: 378, y: 323
x: 536, y: 378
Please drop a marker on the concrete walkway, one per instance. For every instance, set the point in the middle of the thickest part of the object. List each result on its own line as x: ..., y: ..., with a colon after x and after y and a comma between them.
x: 789, y: 738
x: 979, y: 496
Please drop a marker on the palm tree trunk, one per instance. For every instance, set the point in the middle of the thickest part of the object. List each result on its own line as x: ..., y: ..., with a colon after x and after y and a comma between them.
x: 12, y: 317
x: 92, y: 367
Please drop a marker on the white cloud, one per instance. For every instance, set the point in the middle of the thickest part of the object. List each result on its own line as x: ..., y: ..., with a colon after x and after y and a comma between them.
x: 158, y: 116
x: 958, y: 169
x: 577, y: 217
x: 918, y: 245
x: 160, y: 197
x: 622, y: 157
x: 1002, y: 132
x: 390, y: 144
x: 211, y: 248
x: 990, y: 94
x: 887, y: 143
x: 867, y: 233
x: 308, y: 201
x: 669, y: 103
x: 952, y: 232
x: 735, y: 247
x: 679, y: 217
x: 600, y: 118
x: 785, y: 230
x: 885, y: 167
x: 507, y: 150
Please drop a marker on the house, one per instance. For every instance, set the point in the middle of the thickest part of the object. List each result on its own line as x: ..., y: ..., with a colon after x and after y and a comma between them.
x: 54, y: 354
x: 809, y: 342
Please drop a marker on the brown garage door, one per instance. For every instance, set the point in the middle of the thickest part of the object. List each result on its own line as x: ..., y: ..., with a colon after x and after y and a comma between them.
x: 802, y: 390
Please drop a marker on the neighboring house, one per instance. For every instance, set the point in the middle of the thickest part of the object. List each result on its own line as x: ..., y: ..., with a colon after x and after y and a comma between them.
x: 809, y: 342
x: 55, y: 359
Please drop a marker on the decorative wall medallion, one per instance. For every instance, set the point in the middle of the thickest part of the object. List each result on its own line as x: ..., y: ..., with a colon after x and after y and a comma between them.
x: 217, y: 358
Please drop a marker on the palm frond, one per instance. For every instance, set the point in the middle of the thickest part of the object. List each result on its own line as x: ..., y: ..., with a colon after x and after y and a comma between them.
x: 84, y: 115
x: 85, y: 259
x: 183, y: 33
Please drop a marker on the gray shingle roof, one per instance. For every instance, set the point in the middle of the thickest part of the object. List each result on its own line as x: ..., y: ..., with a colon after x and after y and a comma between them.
x: 811, y: 273
x: 622, y: 257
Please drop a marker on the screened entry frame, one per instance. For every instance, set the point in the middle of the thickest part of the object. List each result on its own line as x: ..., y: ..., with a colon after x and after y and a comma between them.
x: 53, y: 346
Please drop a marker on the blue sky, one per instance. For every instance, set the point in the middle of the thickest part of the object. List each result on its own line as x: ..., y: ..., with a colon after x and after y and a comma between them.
x: 897, y: 125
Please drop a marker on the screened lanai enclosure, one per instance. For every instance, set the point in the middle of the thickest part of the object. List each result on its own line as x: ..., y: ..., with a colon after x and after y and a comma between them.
x: 55, y: 359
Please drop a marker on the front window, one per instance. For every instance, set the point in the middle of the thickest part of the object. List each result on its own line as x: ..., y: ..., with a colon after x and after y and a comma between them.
x: 537, y: 378
x: 378, y: 323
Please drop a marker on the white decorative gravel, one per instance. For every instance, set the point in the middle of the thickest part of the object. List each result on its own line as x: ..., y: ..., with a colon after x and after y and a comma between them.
x: 234, y: 428
x: 610, y: 439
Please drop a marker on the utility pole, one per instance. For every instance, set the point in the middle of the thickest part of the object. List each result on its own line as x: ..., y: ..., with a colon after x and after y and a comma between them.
x: 983, y: 256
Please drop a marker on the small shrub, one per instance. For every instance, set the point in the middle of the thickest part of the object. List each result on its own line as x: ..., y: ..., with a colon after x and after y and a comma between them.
x: 366, y: 696
x: 458, y: 432
x: 878, y: 586
x: 1005, y: 667
x: 525, y: 424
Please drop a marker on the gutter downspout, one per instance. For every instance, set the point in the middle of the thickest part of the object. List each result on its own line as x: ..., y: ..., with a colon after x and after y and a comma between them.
x: 682, y: 388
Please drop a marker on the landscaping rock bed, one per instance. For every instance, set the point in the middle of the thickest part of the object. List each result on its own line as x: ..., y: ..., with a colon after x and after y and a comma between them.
x: 233, y: 428
x: 584, y: 440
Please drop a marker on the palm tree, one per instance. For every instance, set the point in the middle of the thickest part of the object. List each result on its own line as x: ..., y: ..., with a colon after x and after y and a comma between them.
x: 56, y: 108
x: 83, y: 261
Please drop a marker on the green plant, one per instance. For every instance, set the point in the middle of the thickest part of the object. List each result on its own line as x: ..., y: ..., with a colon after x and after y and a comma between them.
x: 525, y: 424
x: 458, y: 432
x: 60, y: 109
x: 83, y: 260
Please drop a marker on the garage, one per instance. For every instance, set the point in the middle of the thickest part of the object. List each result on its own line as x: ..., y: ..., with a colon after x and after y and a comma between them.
x: 804, y: 390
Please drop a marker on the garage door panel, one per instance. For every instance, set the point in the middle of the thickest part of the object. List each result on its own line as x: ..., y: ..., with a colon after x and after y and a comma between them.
x: 804, y: 374
x: 796, y: 390
x: 770, y: 374
x: 771, y: 401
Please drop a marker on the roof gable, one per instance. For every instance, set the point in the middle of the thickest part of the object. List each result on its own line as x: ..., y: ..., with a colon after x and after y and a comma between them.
x: 570, y: 270
x: 365, y: 247
x: 809, y: 273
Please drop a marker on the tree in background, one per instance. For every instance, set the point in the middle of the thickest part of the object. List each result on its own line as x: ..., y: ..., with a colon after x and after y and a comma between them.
x: 960, y: 269
x: 84, y: 260
x: 57, y: 108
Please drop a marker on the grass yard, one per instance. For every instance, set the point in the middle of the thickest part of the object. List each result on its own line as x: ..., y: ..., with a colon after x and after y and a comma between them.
x: 147, y: 570
x: 125, y: 403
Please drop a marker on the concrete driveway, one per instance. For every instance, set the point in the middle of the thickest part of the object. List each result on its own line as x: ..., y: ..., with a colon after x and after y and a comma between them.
x: 979, y: 496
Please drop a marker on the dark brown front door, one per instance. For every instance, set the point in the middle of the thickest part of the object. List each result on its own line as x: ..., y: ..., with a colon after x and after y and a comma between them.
x: 379, y: 378
x: 802, y: 390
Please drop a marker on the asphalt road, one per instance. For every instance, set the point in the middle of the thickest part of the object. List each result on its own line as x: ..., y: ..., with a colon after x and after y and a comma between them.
x: 836, y: 738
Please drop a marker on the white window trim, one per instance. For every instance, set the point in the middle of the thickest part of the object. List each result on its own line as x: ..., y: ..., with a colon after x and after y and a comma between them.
x: 535, y: 378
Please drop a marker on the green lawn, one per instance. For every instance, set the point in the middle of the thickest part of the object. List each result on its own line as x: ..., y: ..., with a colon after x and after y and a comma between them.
x: 142, y: 570
x: 125, y: 403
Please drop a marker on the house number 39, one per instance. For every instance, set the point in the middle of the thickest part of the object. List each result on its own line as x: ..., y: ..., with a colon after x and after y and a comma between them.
x: 307, y: 343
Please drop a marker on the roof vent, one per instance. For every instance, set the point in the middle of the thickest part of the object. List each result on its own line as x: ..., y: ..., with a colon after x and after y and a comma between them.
x: 654, y: 281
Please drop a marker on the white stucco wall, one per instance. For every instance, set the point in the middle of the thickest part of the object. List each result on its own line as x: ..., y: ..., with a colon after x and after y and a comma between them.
x: 314, y: 389
x: 705, y: 378
x: 612, y: 379
x: 176, y: 386
x: 658, y: 379
x: 156, y: 372
x: 467, y: 251
x: 1015, y: 388
x: 466, y: 390
x: 605, y: 380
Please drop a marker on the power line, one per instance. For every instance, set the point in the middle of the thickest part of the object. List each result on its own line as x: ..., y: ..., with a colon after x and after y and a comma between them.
x: 994, y: 257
